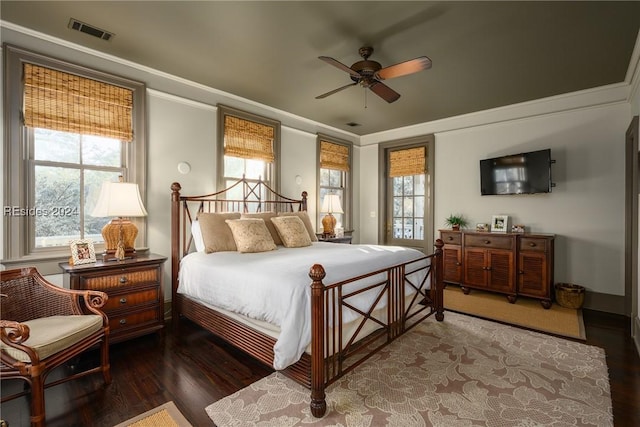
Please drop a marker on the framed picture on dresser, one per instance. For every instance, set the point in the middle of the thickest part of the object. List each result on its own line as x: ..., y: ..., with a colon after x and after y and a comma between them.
x: 499, y: 223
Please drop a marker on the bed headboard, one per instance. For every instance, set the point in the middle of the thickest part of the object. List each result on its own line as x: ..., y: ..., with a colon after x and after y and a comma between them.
x: 242, y: 196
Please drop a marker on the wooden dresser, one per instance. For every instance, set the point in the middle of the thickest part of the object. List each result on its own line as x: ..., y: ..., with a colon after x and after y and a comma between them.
x: 136, y: 303
x: 510, y: 263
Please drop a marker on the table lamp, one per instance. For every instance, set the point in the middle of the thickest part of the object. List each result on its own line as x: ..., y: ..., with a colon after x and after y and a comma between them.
x: 119, y: 199
x: 330, y: 204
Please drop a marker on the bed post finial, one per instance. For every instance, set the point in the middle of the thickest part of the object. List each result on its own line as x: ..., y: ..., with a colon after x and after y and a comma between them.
x: 318, y: 403
x: 303, y: 203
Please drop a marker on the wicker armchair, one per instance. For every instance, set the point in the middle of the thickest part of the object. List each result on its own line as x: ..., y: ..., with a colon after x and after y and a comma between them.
x: 43, y: 326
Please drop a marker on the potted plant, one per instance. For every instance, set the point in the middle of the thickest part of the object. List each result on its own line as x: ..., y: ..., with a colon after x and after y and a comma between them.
x: 455, y: 221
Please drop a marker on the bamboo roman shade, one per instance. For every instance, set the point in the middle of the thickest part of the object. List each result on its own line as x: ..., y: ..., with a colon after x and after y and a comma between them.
x: 248, y: 140
x: 334, y: 156
x: 66, y: 102
x: 411, y: 161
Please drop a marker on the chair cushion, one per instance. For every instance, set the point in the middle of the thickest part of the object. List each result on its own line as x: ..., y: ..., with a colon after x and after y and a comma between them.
x: 50, y: 335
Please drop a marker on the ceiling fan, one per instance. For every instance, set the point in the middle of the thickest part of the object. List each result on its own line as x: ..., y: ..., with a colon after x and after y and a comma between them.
x: 369, y: 74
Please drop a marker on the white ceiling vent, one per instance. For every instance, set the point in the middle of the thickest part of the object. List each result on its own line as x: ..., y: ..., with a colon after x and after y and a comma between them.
x: 74, y: 24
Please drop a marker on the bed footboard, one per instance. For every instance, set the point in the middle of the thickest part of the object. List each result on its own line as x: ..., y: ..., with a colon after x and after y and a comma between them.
x: 330, y: 358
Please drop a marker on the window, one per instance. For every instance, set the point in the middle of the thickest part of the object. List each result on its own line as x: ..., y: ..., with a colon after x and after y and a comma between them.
x: 250, y: 148
x: 69, y: 129
x: 334, y: 178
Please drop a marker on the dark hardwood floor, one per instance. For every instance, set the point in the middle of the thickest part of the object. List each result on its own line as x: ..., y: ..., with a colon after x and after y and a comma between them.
x: 194, y: 369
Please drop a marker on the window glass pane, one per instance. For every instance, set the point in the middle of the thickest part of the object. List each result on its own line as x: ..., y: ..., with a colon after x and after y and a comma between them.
x: 408, y: 206
x: 324, y: 177
x: 255, y: 169
x: 408, y: 228
x: 92, y: 185
x: 397, y: 228
x: 419, y: 205
x: 335, y: 178
x: 57, y: 201
x: 100, y: 151
x: 55, y: 146
x: 418, y: 187
x: 397, y: 206
x: 233, y: 167
x: 419, y: 229
x: 408, y: 185
x: 397, y: 186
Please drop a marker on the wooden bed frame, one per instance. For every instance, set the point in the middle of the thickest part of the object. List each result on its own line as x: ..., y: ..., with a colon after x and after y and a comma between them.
x: 322, y: 367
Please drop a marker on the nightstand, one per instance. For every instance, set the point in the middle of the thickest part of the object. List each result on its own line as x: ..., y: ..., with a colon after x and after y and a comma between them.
x: 345, y: 239
x: 136, y: 304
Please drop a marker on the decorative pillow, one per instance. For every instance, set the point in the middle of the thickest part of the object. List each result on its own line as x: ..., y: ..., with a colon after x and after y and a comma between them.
x: 304, y: 216
x: 251, y: 235
x: 196, y: 233
x: 266, y: 216
x: 216, y: 234
x: 292, y: 231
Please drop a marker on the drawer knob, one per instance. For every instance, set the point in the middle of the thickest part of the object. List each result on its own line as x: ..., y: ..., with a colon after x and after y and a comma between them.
x: 533, y: 245
x: 450, y: 238
x: 486, y: 242
x: 123, y: 279
x: 123, y: 300
x: 458, y: 263
x: 123, y: 321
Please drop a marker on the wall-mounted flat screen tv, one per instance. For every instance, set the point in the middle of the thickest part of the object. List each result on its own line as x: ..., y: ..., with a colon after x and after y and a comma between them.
x: 524, y: 173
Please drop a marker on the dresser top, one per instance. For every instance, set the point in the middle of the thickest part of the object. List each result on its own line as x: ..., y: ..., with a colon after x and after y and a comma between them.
x: 140, y: 260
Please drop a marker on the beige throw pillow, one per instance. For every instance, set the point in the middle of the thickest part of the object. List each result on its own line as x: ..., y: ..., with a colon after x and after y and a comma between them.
x: 216, y: 234
x: 266, y: 216
x: 251, y: 235
x: 304, y: 216
x: 292, y: 231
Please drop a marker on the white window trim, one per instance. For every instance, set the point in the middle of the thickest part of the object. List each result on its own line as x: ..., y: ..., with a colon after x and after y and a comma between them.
x: 17, y: 247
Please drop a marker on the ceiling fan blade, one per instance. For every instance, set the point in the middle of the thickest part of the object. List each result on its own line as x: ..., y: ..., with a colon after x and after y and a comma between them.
x: 404, y: 68
x: 384, y: 91
x: 324, y: 95
x: 339, y: 65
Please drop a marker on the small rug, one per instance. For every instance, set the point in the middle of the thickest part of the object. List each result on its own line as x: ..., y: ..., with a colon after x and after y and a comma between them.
x: 166, y: 415
x: 463, y: 371
x: 526, y: 312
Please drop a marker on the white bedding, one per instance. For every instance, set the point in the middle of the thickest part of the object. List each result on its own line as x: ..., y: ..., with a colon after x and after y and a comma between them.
x: 275, y: 286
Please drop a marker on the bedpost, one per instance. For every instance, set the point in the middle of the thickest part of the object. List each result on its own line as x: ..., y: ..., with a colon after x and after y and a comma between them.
x: 439, y: 283
x: 318, y: 402
x: 303, y: 202
x: 175, y: 248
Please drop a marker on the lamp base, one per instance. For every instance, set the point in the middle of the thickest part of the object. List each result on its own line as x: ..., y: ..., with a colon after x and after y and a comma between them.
x: 328, y: 225
x: 119, y: 237
x: 111, y: 254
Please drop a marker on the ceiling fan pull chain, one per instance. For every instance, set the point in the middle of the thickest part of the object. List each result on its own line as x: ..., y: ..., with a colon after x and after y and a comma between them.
x: 365, y: 99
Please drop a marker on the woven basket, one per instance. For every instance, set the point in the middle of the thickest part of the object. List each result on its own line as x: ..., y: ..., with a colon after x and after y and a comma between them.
x: 569, y: 295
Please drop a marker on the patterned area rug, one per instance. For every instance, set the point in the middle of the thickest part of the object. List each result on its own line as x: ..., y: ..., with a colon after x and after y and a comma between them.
x: 461, y: 372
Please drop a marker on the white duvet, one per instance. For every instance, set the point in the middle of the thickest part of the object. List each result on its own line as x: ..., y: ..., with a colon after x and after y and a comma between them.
x: 275, y: 286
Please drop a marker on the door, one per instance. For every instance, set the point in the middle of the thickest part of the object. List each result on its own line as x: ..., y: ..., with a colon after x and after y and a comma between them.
x: 407, y: 193
x: 632, y: 175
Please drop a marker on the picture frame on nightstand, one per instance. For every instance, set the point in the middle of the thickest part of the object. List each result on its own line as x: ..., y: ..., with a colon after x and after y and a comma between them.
x: 82, y: 251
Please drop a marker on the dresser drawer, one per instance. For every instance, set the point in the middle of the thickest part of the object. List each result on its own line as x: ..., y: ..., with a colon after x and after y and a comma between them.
x: 123, y: 278
x: 533, y: 244
x: 132, y: 299
x: 451, y: 237
x: 134, y: 319
x: 487, y: 240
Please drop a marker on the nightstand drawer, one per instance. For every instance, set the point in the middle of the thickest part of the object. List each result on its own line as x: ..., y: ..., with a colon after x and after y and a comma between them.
x: 130, y: 320
x: 123, y: 278
x: 133, y: 299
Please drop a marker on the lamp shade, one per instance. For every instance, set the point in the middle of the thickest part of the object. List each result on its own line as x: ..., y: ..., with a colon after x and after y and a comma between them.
x: 331, y: 204
x: 119, y: 199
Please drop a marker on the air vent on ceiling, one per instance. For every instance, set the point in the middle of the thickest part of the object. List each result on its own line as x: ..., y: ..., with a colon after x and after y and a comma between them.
x: 74, y: 24
x: 352, y: 124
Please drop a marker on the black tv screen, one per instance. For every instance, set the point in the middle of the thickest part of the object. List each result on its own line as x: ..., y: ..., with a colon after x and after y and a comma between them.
x: 524, y: 173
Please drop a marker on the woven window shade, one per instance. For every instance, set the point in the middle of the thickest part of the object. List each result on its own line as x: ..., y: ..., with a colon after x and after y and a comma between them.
x: 248, y: 140
x: 334, y: 156
x: 411, y: 161
x: 69, y: 103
